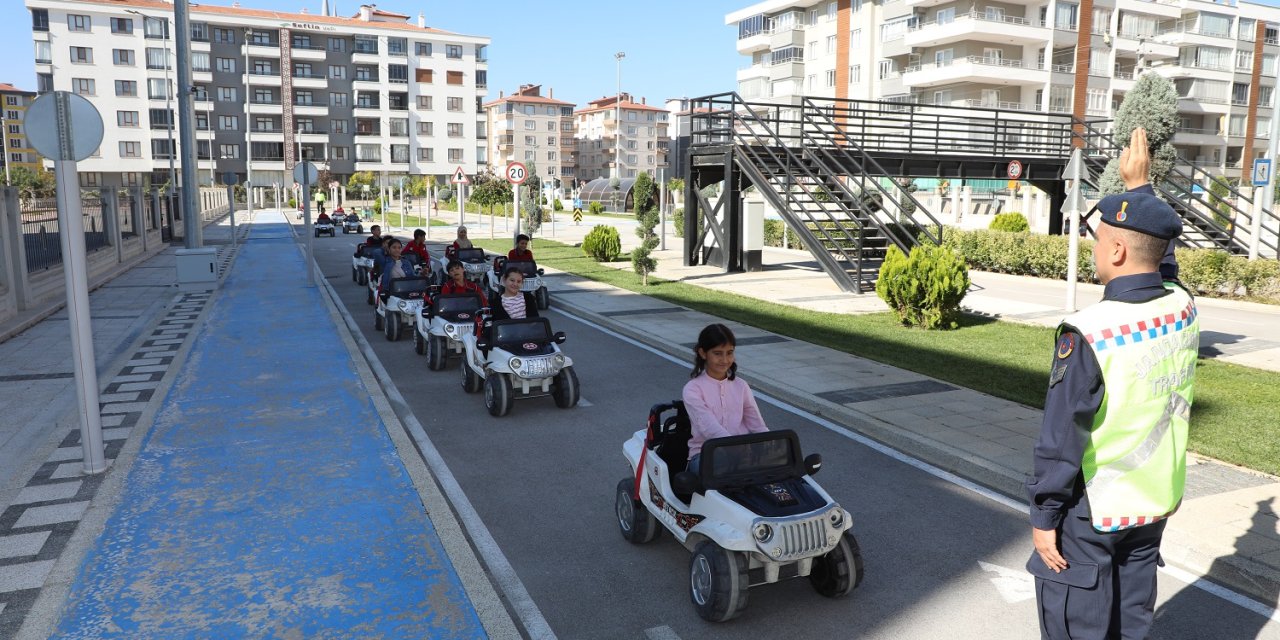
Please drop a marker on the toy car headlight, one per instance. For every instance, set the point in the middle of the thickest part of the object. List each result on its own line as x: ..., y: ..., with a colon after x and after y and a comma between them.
x: 514, y: 363
x: 837, y: 517
x: 559, y: 360
x: 762, y: 532
x: 450, y: 330
x: 404, y: 305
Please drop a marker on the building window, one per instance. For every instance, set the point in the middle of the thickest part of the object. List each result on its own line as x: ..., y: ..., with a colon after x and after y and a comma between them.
x: 44, y: 52
x: 200, y: 31
x: 424, y: 102
x: 426, y: 128
x: 885, y: 69
x: 454, y: 104
x: 337, y: 126
x: 424, y: 154
x: 1244, y: 61
x: 261, y: 38
x: 83, y: 86
x: 422, y: 75
x: 122, y: 57
x: 423, y: 49
x: 400, y: 153
x: 229, y: 123
x: 531, y: 141
x: 161, y: 148
x: 831, y: 77
x: 227, y: 65
x: 157, y: 58
x: 337, y: 99
x: 337, y: 44
x: 455, y: 130
x: 453, y: 77
x: 337, y: 72
x: 397, y: 47
x: 224, y: 36
x: 855, y: 74
x: 831, y: 44
x: 126, y: 88
x: 127, y: 118
x: 39, y: 19
x: 453, y: 51
x: 82, y: 55
x: 398, y: 73
x: 303, y: 98
x: 229, y: 151
x: 365, y: 44
x: 130, y: 150
x: 121, y: 25
x: 339, y: 153
x: 530, y: 125
x: 551, y: 155
x: 227, y: 94
x: 368, y: 153
x: 77, y: 22
x: 551, y: 141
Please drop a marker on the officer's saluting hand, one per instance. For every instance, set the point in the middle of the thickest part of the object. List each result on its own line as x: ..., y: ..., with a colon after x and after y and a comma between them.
x: 1110, y: 462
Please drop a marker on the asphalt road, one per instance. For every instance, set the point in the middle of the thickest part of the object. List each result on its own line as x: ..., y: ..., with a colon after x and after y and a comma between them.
x: 942, y: 561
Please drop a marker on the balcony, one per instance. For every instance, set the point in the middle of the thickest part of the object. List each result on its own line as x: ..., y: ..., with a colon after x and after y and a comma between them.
x: 310, y: 109
x: 1199, y: 137
x: 264, y: 50
x: 266, y: 107
x: 753, y: 43
x: 264, y: 79
x: 977, y: 26
x: 264, y: 134
x: 753, y: 72
x: 205, y: 76
x: 1169, y: 9
x: 1149, y: 46
x: 366, y: 83
x: 1189, y: 32
x: 309, y: 81
x: 785, y: 71
x: 312, y: 136
x: 371, y: 108
x: 366, y: 55
x: 308, y: 52
x: 973, y: 69
x: 1213, y: 105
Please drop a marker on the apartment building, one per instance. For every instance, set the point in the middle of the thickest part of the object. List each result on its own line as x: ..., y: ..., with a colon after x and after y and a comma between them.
x: 13, y: 111
x: 1022, y: 55
x: 527, y: 126
x: 643, y: 132
x: 371, y: 92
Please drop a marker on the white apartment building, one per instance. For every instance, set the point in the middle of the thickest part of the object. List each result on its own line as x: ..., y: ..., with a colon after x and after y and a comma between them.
x: 527, y: 126
x: 372, y: 92
x: 1021, y: 55
x: 643, y: 131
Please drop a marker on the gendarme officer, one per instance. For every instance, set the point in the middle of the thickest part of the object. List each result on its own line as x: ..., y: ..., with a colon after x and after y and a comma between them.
x: 1110, y: 462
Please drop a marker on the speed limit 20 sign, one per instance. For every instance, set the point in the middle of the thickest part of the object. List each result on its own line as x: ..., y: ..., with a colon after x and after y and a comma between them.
x: 1014, y: 170
x: 516, y: 173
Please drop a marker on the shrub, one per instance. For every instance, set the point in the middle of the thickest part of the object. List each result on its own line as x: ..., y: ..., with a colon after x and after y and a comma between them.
x: 677, y: 221
x: 444, y: 194
x: 595, y: 208
x: 603, y: 244
x: 293, y: 204
x: 1010, y: 221
x: 773, y: 233
x: 925, y: 288
x: 557, y: 205
x: 1023, y: 254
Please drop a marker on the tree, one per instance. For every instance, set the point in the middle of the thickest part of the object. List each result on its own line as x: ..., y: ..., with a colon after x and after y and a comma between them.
x: 1152, y: 105
x: 530, y: 202
x: 675, y: 185
x: 616, y: 185
x: 642, y: 193
x: 489, y: 190
x: 32, y: 184
x: 359, y: 180
x: 647, y: 216
x: 1218, y: 193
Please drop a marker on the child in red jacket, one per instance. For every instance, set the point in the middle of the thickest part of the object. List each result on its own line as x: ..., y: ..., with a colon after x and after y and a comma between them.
x: 521, y: 253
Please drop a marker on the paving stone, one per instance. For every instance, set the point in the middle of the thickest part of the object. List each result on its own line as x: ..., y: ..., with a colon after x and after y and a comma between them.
x: 112, y: 420
x: 132, y: 378
x: 138, y: 386
x: 48, y: 492
x: 68, y: 470
x: 22, y: 544
x: 151, y: 369
x: 28, y: 575
x: 52, y: 514
x: 116, y: 434
x: 168, y: 341
x: 65, y: 454
x: 124, y: 407
x: 117, y: 397
x: 142, y: 362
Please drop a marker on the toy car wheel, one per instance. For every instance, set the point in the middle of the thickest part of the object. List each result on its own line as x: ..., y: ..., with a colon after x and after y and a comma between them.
x: 378, y: 321
x: 471, y: 382
x: 355, y: 275
x: 497, y: 394
x: 565, y: 388
x: 436, y: 353
x: 393, y: 325
x: 634, y: 520
x: 419, y: 343
x: 364, y: 277
x: 718, y: 582
x: 368, y: 295
x: 840, y: 570
x: 543, y: 298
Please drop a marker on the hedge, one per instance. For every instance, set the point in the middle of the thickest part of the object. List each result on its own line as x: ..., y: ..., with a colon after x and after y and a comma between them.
x: 1210, y: 272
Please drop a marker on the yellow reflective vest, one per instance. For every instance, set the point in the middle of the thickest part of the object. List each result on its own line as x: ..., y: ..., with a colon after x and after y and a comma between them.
x: 1135, y: 458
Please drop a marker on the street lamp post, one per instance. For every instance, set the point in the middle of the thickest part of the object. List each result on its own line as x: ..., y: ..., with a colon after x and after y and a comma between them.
x: 248, y: 125
x: 617, y: 119
x: 4, y: 146
x: 168, y: 97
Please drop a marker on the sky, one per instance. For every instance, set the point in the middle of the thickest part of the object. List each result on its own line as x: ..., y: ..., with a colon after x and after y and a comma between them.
x: 673, y: 48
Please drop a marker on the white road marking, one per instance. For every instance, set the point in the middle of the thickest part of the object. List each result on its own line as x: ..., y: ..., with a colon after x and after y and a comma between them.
x: 582, y: 402
x: 661, y: 633
x: 1199, y: 582
x: 1014, y: 585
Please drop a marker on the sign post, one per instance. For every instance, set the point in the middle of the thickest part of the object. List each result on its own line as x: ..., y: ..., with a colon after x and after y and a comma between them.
x: 67, y: 128
x: 516, y: 175
x: 306, y: 173
x: 459, y: 180
x: 1262, y: 176
x: 1074, y: 208
x: 230, y: 179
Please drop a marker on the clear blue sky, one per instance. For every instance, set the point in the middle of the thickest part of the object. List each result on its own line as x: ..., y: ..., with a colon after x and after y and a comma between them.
x: 674, y: 47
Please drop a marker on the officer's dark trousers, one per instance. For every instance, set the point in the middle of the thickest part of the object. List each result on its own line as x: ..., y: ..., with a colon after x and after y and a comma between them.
x: 1120, y: 603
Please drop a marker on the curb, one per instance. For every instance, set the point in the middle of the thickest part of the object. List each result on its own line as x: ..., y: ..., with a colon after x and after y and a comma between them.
x: 1247, y: 577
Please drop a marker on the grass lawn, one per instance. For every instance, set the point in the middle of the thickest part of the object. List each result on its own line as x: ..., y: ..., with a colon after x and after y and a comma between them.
x: 1233, y: 418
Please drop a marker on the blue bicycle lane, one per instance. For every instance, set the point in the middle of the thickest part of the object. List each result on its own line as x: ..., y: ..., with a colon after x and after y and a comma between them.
x: 267, y: 499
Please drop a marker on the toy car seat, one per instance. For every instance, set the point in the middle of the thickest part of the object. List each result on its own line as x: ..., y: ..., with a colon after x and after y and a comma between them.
x: 499, y: 263
x: 671, y: 439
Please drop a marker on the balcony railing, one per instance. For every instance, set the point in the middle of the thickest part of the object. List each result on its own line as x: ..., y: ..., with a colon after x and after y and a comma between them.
x: 366, y: 78
x: 1193, y: 27
x: 308, y: 47
x: 1122, y: 75
x: 368, y: 132
x: 309, y: 76
x: 982, y: 60
x: 978, y: 15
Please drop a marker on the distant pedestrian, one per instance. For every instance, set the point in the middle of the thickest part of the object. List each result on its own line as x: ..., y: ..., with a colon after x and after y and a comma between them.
x: 1110, y: 462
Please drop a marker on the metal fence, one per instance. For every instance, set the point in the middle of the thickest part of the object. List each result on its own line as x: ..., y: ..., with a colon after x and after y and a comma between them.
x: 40, y: 229
x: 95, y: 227
x: 124, y: 213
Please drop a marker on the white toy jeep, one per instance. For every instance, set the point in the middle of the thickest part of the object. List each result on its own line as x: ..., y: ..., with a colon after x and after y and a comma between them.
x: 375, y: 275
x: 324, y: 228
x: 399, y: 305
x: 753, y: 515
x: 532, y: 280
x: 362, y: 262
x: 518, y: 359
x: 442, y: 324
x: 473, y: 261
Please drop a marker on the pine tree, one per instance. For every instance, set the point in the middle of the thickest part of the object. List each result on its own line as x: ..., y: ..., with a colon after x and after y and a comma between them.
x: 1152, y: 105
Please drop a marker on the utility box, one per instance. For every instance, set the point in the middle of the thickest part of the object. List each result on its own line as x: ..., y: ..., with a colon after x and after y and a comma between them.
x: 752, y: 235
x: 197, y: 269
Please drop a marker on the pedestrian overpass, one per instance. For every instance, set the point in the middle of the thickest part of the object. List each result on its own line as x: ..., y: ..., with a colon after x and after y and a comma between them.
x: 821, y: 163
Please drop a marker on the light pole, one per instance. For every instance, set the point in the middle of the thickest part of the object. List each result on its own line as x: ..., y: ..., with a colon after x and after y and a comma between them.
x: 168, y: 94
x: 4, y: 142
x: 208, y: 123
x: 617, y: 120
x: 248, y: 125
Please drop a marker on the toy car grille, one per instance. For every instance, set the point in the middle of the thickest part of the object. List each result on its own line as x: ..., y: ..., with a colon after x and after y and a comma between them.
x: 801, y: 539
x: 537, y: 368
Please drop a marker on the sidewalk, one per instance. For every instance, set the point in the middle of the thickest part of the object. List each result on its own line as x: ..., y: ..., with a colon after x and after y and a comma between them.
x: 1226, y: 528
x: 270, y: 497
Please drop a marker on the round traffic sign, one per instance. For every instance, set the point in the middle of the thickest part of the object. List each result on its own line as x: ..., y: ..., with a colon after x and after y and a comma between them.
x: 309, y: 177
x: 516, y: 173
x: 64, y: 126
x: 230, y: 178
x: 1015, y: 169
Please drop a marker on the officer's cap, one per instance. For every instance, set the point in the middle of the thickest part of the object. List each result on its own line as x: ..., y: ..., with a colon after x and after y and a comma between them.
x: 1141, y: 212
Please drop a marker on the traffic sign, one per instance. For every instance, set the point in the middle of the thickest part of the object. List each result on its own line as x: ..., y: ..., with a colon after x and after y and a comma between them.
x: 1014, y: 170
x: 460, y: 177
x: 230, y: 178
x: 1261, y: 172
x: 517, y: 173
x: 64, y: 126
x: 309, y: 177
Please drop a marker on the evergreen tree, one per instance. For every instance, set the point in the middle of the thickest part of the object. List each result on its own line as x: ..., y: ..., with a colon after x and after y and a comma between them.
x: 1152, y: 105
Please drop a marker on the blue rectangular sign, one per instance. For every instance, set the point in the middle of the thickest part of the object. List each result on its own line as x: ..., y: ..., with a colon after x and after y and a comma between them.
x: 1261, y: 172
